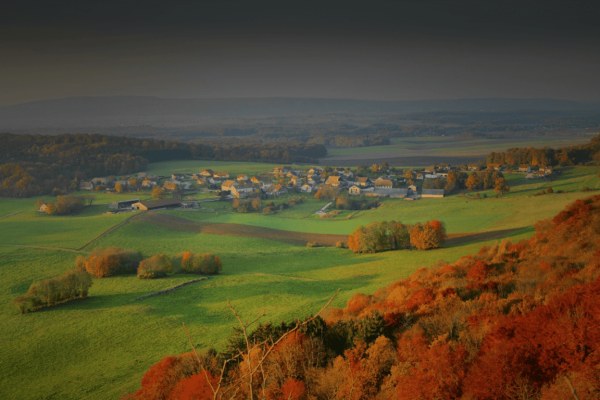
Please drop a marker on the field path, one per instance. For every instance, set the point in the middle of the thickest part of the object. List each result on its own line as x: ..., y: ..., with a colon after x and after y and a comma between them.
x: 109, y: 230
x: 230, y: 229
x: 283, y: 276
x: 15, y: 213
x: 44, y: 248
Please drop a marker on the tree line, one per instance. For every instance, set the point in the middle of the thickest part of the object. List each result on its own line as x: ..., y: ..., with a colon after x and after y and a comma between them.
x: 48, y: 292
x: 513, y: 321
x: 567, y: 155
x: 112, y: 261
x: 33, y: 165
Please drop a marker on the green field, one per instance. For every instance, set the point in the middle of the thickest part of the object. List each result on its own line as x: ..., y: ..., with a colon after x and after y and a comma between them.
x: 192, y: 166
x: 449, y: 146
x: 99, y: 348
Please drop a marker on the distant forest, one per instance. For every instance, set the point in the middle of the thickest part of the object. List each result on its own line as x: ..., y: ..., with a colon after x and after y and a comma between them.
x: 32, y: 165
x: 571, y: 155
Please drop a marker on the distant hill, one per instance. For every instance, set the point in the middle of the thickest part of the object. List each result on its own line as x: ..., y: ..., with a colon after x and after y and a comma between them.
x: 139, y: 110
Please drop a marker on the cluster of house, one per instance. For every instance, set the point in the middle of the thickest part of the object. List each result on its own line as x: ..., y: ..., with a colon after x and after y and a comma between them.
x: 538, y: 171
x: 274, y: 183
x: 147, y: 181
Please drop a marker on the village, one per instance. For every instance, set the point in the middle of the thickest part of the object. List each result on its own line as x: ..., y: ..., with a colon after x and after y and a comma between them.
x: 378, y: 181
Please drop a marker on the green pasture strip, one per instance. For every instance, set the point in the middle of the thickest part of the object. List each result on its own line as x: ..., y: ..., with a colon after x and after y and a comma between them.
x: 449, y: 145
x: 104, y: 197
x: 73, y: 231
x: 9, y: 206
x: 167, y: 168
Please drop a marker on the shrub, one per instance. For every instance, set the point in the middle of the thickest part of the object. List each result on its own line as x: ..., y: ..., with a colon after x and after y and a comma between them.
x: 155, y: 267
x: 72, y: 285
x: 110, y: 261
x: 340, y: 244
x: 205, y: 264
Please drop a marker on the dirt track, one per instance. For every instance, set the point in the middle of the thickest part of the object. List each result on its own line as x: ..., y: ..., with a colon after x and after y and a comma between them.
x: 300, y: 238
x: 184, y: 225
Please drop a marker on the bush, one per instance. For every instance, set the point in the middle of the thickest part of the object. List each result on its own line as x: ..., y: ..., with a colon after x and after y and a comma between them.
x: 110, y: 261
x: 154, y: 267
x: 70, y: 286
x: 340, y: 244
x: 312, y: 244
x: 204, y: 264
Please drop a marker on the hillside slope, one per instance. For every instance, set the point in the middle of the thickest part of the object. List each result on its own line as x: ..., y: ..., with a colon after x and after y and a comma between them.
x: 512, y: 321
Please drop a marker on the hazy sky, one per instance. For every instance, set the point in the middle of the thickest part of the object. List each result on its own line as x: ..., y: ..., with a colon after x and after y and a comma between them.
x: 385, y: 50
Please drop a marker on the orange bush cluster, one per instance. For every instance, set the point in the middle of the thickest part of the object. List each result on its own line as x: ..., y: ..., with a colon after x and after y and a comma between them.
x: 512, y: 321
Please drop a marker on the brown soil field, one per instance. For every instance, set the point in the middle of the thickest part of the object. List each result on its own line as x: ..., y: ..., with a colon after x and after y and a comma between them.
x: 299, y: 238
x: 463, y: 238
x: 184, y: 225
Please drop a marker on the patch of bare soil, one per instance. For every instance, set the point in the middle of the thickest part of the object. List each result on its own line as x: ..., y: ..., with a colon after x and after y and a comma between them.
x: 463, y: 238
x: 184, y: 225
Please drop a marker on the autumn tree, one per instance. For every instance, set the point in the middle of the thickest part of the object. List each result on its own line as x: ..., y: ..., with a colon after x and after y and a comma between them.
x: 119, y: 187
x: 424, y: 237
x: 472, y: 181
x: 154, y: 267
x: 110, y: 261
x: 158, y: 192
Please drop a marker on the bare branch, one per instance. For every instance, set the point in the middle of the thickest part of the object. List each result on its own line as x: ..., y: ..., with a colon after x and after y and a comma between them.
x: 200, y: 363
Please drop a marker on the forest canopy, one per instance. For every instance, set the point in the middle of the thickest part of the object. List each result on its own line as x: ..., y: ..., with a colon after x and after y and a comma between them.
x: 32, y: 165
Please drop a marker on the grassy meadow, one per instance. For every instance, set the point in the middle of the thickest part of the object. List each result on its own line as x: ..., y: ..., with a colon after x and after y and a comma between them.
x: 99, y: 347
x: 449, y: 146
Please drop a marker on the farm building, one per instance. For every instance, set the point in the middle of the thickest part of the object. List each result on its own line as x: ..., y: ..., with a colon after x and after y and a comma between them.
x: 100, y: 181
x: 354, y: 190
x: 313, y: 179
x: 242, y: 177
x: 525, y: 168
x: 495, y: 167
x: 148, y: 183
x: 295, y: 180
x: 393, y: 193
x: 363, y: 181
x: 228, y: 185
x: 86, y: 185
x: 275, y: 190
x: 222, y: 175
x: 156, y: 204
x: 241, y: 190
x: 282, y: 170
x: 123, y: 204
x: 383, y: 184
x: 306, y: 188
x: 43, y: 208
x: 207, y: 172
x: 432, y: 193
x: 333, y: 181
x: 171, y: 185
x: 255, y: 180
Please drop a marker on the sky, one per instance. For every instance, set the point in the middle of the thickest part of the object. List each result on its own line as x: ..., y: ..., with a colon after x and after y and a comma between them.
x: 376, y: 50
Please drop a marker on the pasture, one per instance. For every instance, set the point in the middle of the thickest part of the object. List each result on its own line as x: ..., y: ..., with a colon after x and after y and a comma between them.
x: 99, y: 347
x: 448, y: 145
